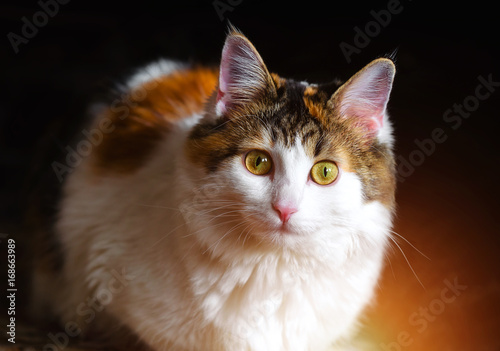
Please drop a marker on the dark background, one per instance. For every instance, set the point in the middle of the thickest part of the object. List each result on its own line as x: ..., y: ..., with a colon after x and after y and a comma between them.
x: 448, y: 204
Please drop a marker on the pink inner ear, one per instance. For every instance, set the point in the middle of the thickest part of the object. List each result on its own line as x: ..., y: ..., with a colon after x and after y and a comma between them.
x: 223, y: 81
x: 220, y: 106
x: 374, y: 123
x: 370, y: 116
x: 366, y: 114
x: 230, y: 75
x: 242, y: 74
x: 220, y: 94
x: 224, y: 69
x: 365, y: 97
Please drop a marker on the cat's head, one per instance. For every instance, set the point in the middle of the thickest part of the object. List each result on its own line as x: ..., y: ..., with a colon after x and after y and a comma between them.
x: 280, y: 162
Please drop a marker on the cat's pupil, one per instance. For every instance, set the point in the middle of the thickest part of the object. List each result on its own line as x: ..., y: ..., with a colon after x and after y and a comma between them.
x: 325, y: 171
x: 258, y: 161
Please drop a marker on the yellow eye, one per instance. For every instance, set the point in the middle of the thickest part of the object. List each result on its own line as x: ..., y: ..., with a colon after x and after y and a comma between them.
x: 258, y: 162
x: 324, y: 172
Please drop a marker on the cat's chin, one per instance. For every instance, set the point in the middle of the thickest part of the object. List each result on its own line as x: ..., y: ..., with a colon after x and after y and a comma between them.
x: 284, y: 235
x: 286, y: 230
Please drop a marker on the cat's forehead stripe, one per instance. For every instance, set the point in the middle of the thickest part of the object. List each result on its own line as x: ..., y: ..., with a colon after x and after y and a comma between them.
x: 305, y: 117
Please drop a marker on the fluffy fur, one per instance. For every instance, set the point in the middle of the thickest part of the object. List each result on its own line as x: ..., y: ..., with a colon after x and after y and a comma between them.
x: 166, y: 234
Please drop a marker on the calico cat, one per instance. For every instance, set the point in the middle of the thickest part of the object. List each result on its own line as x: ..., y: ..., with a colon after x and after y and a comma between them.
x: 229, y: 208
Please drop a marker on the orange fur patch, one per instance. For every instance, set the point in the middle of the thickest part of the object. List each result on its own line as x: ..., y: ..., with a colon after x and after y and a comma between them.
x: 278, y: 81
x: 142, y: 117
x: 310, y: 90
x: 314, y: 101
x: 315, y: 110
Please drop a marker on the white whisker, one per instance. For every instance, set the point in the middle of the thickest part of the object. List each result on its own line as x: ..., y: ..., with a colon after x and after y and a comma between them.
x: 409, y: 243
x: 407, y: 261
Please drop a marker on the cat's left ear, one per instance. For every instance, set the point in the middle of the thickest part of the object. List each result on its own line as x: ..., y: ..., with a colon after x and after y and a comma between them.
x: 243, y: 76
x: 363, y: 98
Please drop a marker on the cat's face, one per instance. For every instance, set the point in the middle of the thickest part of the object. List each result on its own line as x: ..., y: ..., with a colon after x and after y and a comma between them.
x: 288, y: 163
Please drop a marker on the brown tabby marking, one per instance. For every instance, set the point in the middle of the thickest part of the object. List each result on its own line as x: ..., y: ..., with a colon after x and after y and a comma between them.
x: 150, y: 111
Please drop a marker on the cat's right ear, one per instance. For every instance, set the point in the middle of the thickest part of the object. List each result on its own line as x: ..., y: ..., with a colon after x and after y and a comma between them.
x: 243, y: 76
x: 363, y: 98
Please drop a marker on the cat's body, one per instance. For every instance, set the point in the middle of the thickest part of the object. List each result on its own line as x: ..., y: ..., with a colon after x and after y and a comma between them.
x: 165, y: 232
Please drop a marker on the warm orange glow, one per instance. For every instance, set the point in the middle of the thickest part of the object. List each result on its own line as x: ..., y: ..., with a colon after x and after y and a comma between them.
x: 458, y: 308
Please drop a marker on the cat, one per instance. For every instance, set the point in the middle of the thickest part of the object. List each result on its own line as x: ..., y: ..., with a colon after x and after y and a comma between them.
x: 228, y: 208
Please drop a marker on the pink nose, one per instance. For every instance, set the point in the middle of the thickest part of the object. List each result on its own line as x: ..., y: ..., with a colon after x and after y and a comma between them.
x: 284, y: 211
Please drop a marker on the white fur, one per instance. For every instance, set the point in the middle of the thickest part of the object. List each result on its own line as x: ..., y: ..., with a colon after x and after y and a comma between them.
x: 211, y: 269
x: 154, y: 70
